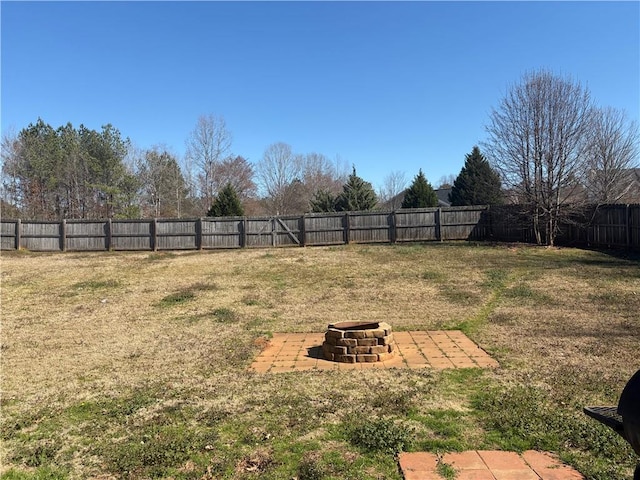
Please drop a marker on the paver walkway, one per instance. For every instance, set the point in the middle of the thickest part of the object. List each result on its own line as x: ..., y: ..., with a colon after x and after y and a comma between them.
x: 288, y: 352
x: 488, y: 465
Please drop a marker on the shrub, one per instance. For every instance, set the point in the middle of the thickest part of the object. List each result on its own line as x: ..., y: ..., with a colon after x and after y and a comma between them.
x: 381, y: 435
x: 310, y: 469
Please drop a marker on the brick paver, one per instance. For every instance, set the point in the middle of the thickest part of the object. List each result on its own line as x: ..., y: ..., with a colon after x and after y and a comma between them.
x: 487, y: 465
x: 287, y: 352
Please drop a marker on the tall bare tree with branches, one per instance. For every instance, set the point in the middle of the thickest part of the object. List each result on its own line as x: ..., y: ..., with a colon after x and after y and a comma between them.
x: 536, y: 141
x: 278, y: 169
x: 207, y: 145
x: 612, y: 154
x: 392, y: 186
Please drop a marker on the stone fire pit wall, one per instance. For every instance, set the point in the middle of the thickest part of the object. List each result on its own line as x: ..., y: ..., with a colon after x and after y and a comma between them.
x: 351, y: 342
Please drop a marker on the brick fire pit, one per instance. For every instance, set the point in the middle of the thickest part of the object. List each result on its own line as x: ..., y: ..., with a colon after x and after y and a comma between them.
x: 352, y: 342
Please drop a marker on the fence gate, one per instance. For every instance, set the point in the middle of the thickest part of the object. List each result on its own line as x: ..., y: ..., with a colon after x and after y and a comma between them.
x: 274, y: 232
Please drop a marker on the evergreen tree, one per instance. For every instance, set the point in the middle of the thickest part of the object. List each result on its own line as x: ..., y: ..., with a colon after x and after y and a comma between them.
x: 477, y: 183
x: 420, y: 194
x: 356, y: 195
x: 226, y: 203
x: 68, y: 172
x: 323, y: 201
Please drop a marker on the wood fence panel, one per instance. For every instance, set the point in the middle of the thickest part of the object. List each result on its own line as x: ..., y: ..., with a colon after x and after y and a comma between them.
x: 41, y: 236
x: 222, y: 232
x: 416, y: 225
x: 176, y: 234
x: 86, y: 236
x: 259, y: 232
x: 463, y: 223
x: 132, y: 234
x: 8, y: 234
x: 324, y: 229
x: 634, y: 225
x: 509, y: 225
x: 369, y: 227
x: 609, y: 227
x: 288, y: 231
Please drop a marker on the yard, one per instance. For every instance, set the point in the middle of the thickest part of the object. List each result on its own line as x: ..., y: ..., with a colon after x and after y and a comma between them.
x: 136, y: 365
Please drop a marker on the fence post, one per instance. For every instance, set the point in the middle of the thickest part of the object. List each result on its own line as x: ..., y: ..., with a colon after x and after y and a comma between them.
x: 154, y: 235
x: 392, y: 227
x: 438, y: 225
x: 303, y: 231
x: 63, y: 235
x: 347, y: 228
x: 243, y: 233
x: 199, y: 233
x: 18, y: 233
x: 627, y: 224
x: 273, y: 232
x: 109, y: 238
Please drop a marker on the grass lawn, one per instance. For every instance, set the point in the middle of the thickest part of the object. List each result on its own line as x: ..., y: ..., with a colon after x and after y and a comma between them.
x: 135, y: 365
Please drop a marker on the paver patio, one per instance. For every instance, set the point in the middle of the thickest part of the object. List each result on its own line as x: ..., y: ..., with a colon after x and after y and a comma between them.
x: 487, y: 465
x: 288, y: 352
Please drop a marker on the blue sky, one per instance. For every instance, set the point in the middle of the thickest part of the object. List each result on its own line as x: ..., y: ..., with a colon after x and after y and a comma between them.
x: 387, y: 86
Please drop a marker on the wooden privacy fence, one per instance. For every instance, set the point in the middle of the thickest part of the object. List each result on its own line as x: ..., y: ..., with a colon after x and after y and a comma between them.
x: 429, y: 224
x: 604, y: 226
x: 608, y: 226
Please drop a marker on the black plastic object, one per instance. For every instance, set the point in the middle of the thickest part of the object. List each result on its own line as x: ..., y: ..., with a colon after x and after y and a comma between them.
x: 625, y: 418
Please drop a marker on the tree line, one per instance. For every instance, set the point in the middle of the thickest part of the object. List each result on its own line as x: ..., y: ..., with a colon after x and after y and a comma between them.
x: 66, y: 172
x: 549, y: 149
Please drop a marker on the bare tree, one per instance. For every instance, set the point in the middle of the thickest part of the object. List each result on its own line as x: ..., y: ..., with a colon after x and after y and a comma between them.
x: 536, y: 142
x: 237, y: 171
x: 319, y: 173
x: 392, y: 186
x: 446, y: 181
x: 276, y: 172
x: 612, y: 153
x: 208, y: 144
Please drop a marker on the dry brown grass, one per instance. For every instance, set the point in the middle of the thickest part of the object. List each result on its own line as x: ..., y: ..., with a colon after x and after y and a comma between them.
x: 85, y: 327
x: 60, y: 331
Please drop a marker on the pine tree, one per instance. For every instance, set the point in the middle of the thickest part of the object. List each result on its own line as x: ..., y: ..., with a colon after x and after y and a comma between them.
x: 477, y: 183
x: 323, y: 201
x: 420, y: 194
x: 356, y: 195
x: 226, y: 203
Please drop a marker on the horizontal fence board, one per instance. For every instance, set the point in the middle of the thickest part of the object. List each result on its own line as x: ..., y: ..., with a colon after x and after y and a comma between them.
x: 604, y: 226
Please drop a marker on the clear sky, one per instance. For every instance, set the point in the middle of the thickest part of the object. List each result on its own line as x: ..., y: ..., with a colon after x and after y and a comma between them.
x: 387, y: 86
